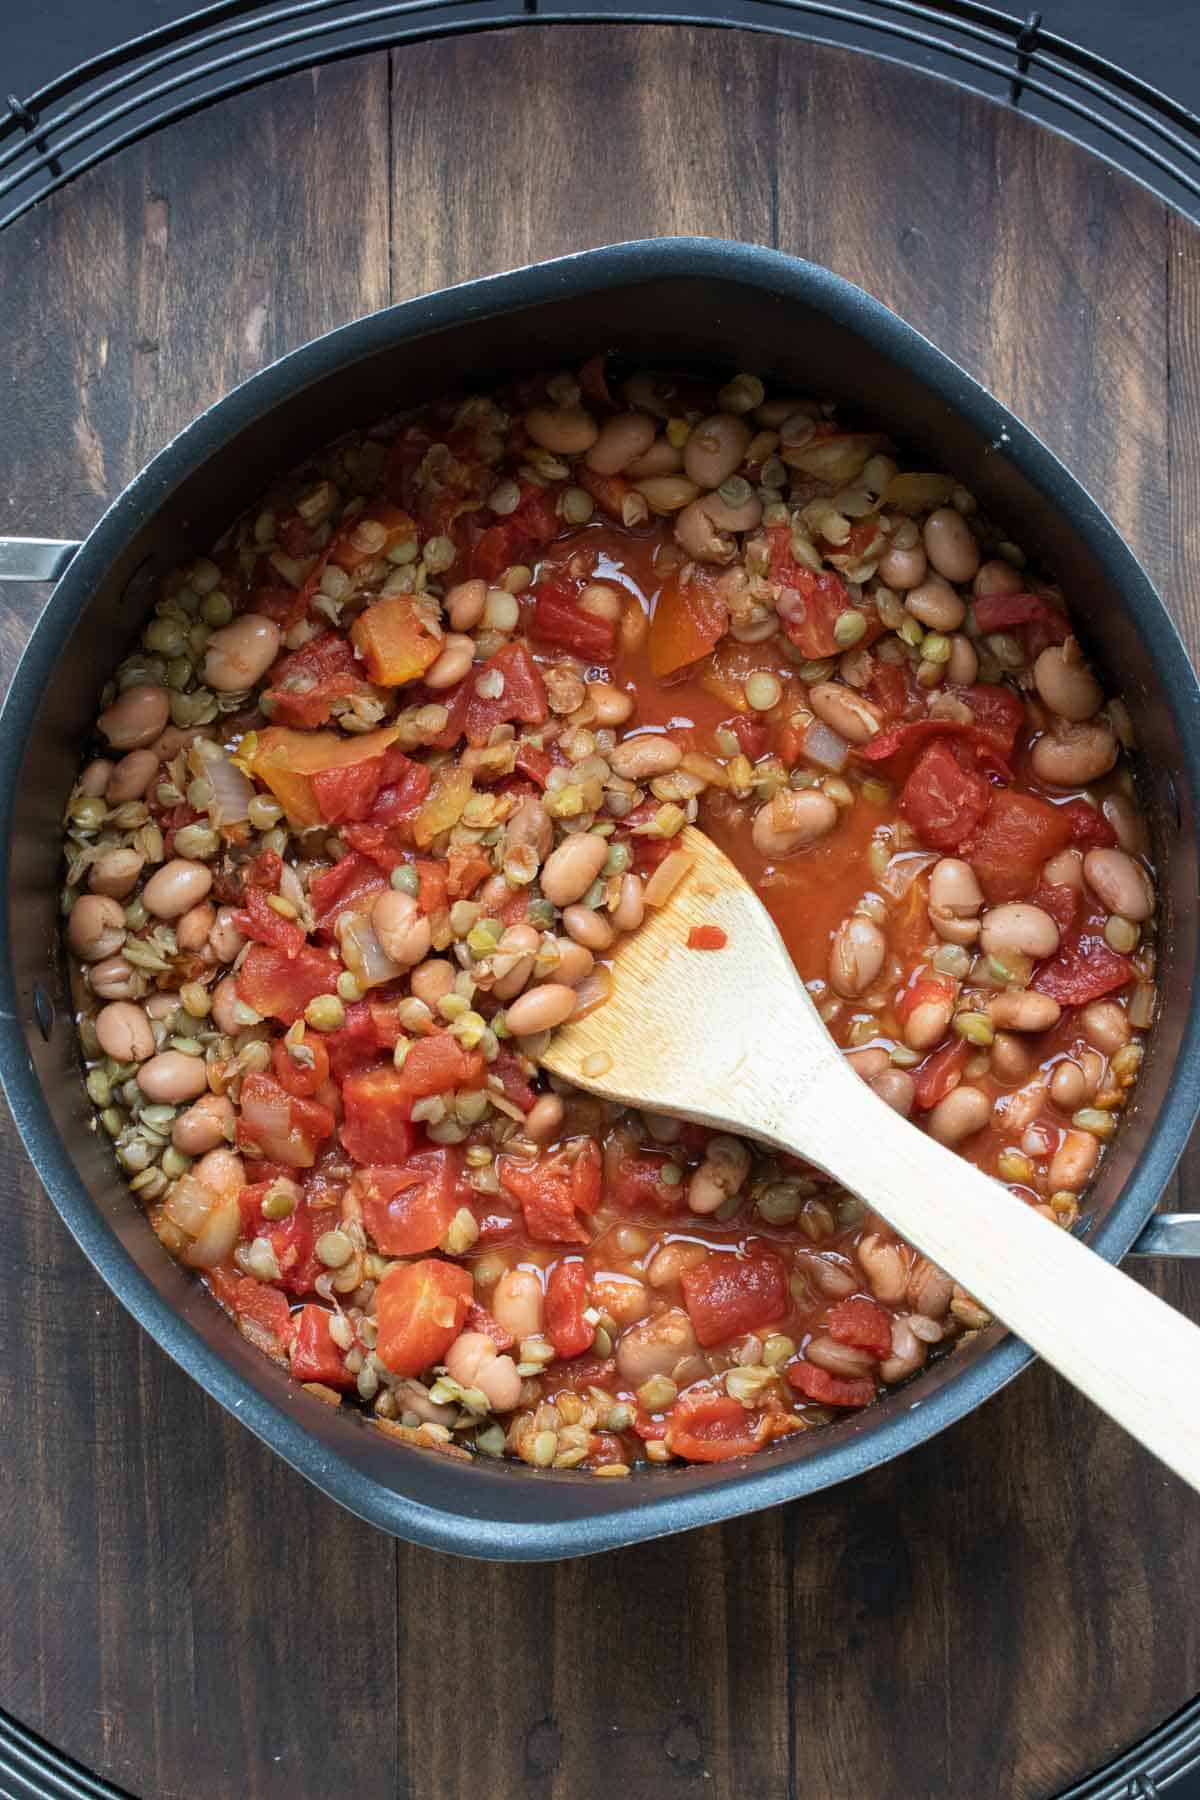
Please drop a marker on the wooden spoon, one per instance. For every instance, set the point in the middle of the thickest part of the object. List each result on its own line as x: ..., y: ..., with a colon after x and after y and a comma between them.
x: 730, y: 1039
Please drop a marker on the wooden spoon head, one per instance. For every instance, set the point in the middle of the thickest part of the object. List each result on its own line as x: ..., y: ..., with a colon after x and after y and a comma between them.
x: 726, y: 1037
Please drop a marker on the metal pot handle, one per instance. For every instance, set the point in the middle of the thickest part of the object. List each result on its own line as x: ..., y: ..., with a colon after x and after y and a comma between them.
x: 34, y: 559
x: 44, y: 559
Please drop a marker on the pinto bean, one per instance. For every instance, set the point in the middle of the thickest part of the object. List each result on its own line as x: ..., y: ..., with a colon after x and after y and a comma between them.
x: 930, y: 1289
x: 433, y: 979
x: 225, y: 1001
x: 225, y: 940
x: 955, y: 898
x: 131, y: 777
x: 575, y: 963
x: 518, y: 1303
x: 903, y: 568
x: 1068, y: 1086
x: 715, y: 448
x: 1066, y: 684
x: 563, y: 430
x: 95, y: 778
x: 697, y: 533
x: 963, y: 1112
x: 541, y: 1009
x: 962, y: 668
x: 662, y: 458
x: 849, y: 714
x: 206, y: 1125
x: 543, y: 1121
x: 1071, y: 755
x: 586, y: 927
x: 1018, y: 929
x: 96, y: 927
x: 1009, y: 1057
x: 643, y: 757
x: 1023, y: 1010
x: 135, y: 717
x: 1106, y: 1025
x: 655, y: 1346
x: 856, y: 956
x: 908, y: 1353
x: 884, y: 1267
x: 936, y: 604
x: 175, y: 888
x: 1121, y: 885
x: 570, y: 870
x: 630, y: 909
x: 868, y: 1062
x: 1072, y: 1164
x: 997, y: 578
x: 792, y: 820
x: 950, y: 544
x: 610, y: 705
x: 623, y: 1297
x: 193, y: 928
x: 115, y: 872
x: 1064, y: 870
x: 621, y: 440
x: 171, y: 1077
x: 124, y: 1032
x: 672, y: 1261
x: 113, y: 979
x: 465, y: 603
x: 529, y: 824
x: 897, y: 1089
x: 474, y: 1362
x: 452, y: 664
x: 845, y: 1360
x: 401, y: 927
x: 1017, y: 1110
x: 725, y: 1167
x: 926, y: 1024
x: 743, y: 517
x: 239, y: 655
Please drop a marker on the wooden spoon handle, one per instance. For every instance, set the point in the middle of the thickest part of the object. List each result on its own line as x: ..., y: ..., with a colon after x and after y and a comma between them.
x: 1121, y: 1346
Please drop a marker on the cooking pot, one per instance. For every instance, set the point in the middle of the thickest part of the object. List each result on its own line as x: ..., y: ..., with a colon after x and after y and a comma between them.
x: 686, y: 303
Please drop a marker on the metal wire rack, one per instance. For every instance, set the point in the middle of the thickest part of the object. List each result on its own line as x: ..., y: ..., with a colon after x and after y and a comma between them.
x: 222, y: 49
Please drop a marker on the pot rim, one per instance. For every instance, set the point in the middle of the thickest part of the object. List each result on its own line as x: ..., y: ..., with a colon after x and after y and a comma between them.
x: 759, y: 1482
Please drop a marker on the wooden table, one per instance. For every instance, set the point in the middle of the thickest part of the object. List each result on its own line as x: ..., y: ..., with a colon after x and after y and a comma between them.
x: 996, y: 1614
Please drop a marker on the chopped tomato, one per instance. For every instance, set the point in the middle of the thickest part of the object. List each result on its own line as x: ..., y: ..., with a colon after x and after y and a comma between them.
x: 920, y: 990
x: 1001, y: 612
x: 830, y: 1390
x: 394, y: 640
x: 419, y: 1309
x: 475, y: 715
x: 401, y: 794
x: 358, y: 541
x: 1018, y: 835
x: 279, y: 986
x: 689, y: 618
x: 534, y: 524
x: 356, y: 1043
x: 705, y: 1425
x: 257, y: 1300
x: 1082, y: 970
x: 593, y: 383
x: 378, y: 1106
x: 436, y: 1065
x: 566, y: 1302
x: 480, y: 1319
x: 612, y: 493
x: 999, y: 713
x: 287, y: 760
x: 304, y: 1075
x: 306, y: 683
x: 706, y: 937
x: 508, y: 1066
x: 811, y: 604
x: 407, y: 1210
x: 280, y: 1125
x: 559, y: 619
x: 863, y: 1324
x: 636, y: 1185
x: 940, y: 1073
x: 945, y: 798
x: 752, y: 734
x: 1090, y: 830
x: 315, y: 1356
x: 258, y: 919
x: 726, y: 1295
x: 465, y: 867
x: 888, y: 690
x: 1060, y: 901
x: 349, y: 886
x: 344, y: 796
x: 553, y: 1188
x: 263, y: 871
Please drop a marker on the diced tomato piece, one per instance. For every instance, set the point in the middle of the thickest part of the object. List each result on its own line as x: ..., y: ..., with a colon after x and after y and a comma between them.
x: 522, y: 699
x: 811, y: 604
x: 266, y: 1305
x: 385, y: 1020
x: 566, y: 1300
x: 1060, y: 901
x: 257, y: 919
x: 263, y: 871
x: 376, y: 1128
x: 999, y: 712
x: 280, y: 1125
x: 1082, y: 970
x: 863, y: 1324
x: 402, y: 792
x: 533, y: 762
x: 408, y: 1210
x: 940, y: 1073
x: 705, y: 1425
x: 1002, y: 612
x: 315, y: 1356
x: 464, y: 869
x: 480, y: 1319
x: 513, y: 1078
x: 920, y: 990
x: 945, y: 799
x: 287, y: 760
x: 436, y: 1065
x: 419, y: 1309
x: 559, y: 619
x: 830, y: 1390
x: 553, y: 1188
x: 726, y: 1295
x: 349, y: 886
x: 752, y: 734
x: 356, y: 1043
x: 593, y: 383
x: 689, y: 619
x: 610, y: 492
x: 346, y: 795
x: 790, y: 746
x: 1018, y: 835
x: 285, y: 605
x: 706, y: 937
x: 1090, y: 830
x: 301, y: 1077
x: 279, y: 986
x: 534, y: 524
x: 395, y: 641
x: 636, y: 1185
x: 305, y: 684
x: 888, y: 690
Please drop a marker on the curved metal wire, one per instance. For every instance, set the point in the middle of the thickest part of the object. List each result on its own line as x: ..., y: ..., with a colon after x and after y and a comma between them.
x: 73, y: 121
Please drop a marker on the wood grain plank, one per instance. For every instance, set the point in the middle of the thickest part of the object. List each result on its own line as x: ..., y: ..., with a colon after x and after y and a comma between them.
x: 181, y: 1612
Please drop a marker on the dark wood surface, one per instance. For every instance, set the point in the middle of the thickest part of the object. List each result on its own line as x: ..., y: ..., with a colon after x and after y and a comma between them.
x: 1005, y: 1608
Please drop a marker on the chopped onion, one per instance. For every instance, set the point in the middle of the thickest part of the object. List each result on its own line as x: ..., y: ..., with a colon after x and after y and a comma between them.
x: 268, y: 1120
x: 189, y: 1203
x: 362, y: 952
x: 903, y: 870
x: 218, y: 1235
x: 823, y: 746
x: 232, y: 793
x: 666, y: 878
x: 593, y: 991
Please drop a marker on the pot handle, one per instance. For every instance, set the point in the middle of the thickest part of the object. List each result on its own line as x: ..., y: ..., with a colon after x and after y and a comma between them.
x: 34, y: 559
x: 1169, y: 1234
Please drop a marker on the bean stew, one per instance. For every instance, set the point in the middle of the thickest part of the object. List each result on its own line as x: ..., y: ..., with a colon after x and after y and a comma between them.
x: 397, y: 763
